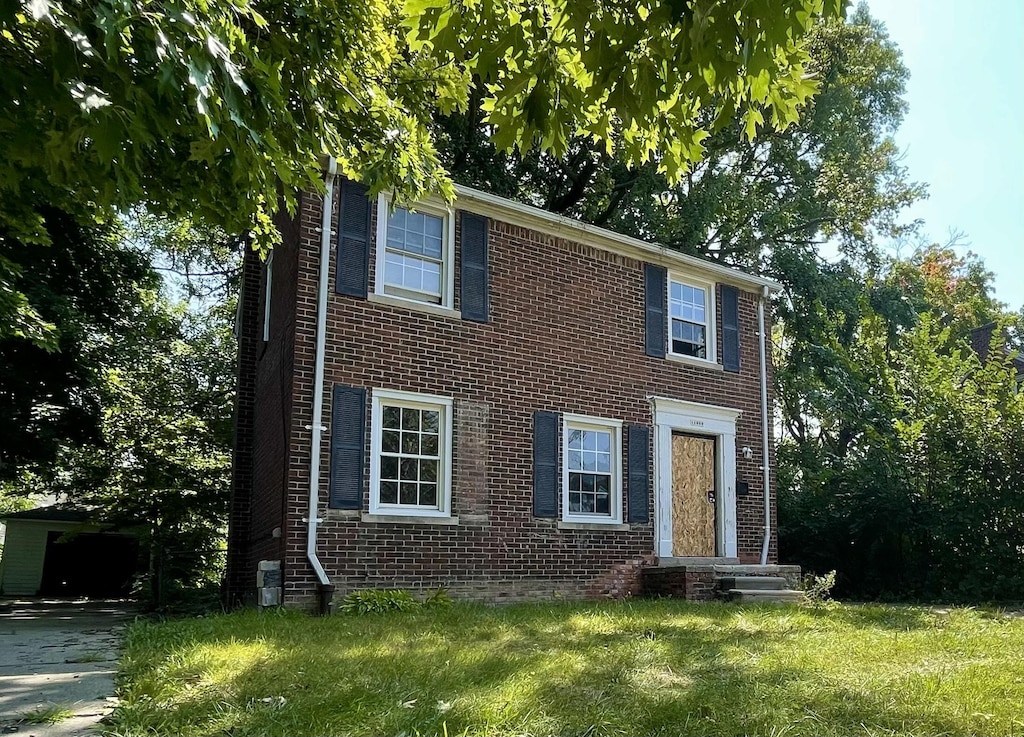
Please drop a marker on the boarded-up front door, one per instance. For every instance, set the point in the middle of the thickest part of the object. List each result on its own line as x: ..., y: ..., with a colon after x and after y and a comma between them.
x: 693, y: 496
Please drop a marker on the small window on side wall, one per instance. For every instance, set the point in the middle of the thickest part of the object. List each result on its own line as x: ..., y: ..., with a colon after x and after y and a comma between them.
x: 691, y: 319
x: 591, y: 470
x: 414, y: 253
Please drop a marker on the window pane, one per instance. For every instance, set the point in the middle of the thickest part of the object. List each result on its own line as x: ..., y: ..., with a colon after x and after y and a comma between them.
x: 408, y: 493
x: 589, y: 461
x: 391, y: 416
x: 601, y: 505
x: 431, y: 278
x: 428, y: 494
x: 604, y: 463
x: 388, y: 492
x: 602, y: 484
x: 434, y: 227
x: 587, y: 483
x: 587, y: 503
x: 604, y: 442
x: 431, y: 420
x: 575, y: 503
x: 410, y: 469
x: 589, y: 440
x: 410, y: 419
x: 677, y: 291
x: 397, y: 218
x: 393, y: 269
x: 575, y: 439
x: 410, y: 443
x: 574, y: 459
x: 428, y: 445
x: 428, y: 471
x: 388, y: 467
x: 389, y: 441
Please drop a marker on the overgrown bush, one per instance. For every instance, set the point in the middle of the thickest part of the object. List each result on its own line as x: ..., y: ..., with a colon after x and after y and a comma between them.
x: 379, y: 601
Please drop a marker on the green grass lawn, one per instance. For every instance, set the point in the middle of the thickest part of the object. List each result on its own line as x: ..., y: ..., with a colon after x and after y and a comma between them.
x: 638, y: 667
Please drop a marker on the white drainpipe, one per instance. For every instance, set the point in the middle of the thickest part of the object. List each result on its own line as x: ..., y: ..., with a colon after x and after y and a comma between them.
x: 765, y: 447
x: 318, y: 376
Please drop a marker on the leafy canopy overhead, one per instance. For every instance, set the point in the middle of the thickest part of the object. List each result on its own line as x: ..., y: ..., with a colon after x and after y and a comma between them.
x: 216, y: 108
x: 214, y: 111
x: 648, y: 79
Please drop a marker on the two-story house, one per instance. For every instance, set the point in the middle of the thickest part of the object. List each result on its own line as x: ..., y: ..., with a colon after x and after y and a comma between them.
x: 490, y: 398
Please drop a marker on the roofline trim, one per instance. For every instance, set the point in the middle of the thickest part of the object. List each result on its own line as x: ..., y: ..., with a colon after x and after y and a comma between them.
x: 551, y: 223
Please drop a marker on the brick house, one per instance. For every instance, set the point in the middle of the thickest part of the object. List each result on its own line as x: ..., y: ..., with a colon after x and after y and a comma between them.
x: 497, y: 400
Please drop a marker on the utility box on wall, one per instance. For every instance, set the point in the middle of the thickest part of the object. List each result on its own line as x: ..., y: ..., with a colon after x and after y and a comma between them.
x: 268, y: 583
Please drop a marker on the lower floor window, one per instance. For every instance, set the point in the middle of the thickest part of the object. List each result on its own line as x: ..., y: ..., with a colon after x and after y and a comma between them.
x: 411, y: 453
x: 592, y: 469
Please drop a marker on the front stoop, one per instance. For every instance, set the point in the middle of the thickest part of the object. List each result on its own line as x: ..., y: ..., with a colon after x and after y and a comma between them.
x: 705, y: 579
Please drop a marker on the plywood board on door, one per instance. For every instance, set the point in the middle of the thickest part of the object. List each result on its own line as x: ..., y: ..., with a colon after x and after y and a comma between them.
x: 693, y: 515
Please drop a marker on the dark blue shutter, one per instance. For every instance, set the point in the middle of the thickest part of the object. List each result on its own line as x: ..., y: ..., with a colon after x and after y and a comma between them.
x: 730, y: 328
x: 353, y: 240
x: 655, y: 297
x: 545, y: 464
x: 475, y: 282
x: 348, y: 425
x: 639, y: 453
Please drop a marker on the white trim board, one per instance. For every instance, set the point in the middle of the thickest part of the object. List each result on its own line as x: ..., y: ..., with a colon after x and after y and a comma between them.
x: 534, y: 218
x: 699, y: 419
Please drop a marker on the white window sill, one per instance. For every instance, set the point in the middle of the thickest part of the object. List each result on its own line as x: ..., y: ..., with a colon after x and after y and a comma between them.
x: 696, y: 362
x: 411, y: 304
x: 411, y: 519
x: 597, y: 526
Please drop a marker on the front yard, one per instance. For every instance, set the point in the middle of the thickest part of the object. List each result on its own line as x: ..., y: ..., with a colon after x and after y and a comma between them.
x: 638, y: 667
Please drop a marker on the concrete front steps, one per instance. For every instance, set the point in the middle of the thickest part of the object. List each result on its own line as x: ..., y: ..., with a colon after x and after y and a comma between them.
x: 757, y: 589
x: 706, y: 579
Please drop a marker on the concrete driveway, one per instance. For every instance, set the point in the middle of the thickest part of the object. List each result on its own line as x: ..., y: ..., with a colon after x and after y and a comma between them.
x: 58, y: 655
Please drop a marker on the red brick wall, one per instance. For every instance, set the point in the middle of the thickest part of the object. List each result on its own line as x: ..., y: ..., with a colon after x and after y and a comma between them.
x: 566, y: 334
x: 239, y: 572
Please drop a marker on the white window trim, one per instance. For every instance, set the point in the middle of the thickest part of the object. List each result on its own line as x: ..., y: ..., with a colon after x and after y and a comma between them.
x: 380, y: 397
x: 266, y: 296
x: 583, y: 422
x: 709, y: 288
x: 447, y: 255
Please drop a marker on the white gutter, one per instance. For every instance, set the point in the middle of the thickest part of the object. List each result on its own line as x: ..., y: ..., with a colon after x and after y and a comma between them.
x: 318, y: 377
x: 535, y: 218
x: 765, y: 446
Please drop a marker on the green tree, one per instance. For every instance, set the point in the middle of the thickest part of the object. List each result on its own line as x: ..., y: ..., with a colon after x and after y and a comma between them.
x: 87, y: 288
x: 833, y: 176
x: 133, y: 416
x: 216, y: 110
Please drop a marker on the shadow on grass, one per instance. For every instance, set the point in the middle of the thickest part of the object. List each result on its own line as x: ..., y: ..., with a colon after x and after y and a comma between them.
x: 646, y: 668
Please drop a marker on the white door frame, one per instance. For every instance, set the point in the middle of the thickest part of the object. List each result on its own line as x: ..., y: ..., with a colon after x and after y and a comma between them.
x: 696, y: 419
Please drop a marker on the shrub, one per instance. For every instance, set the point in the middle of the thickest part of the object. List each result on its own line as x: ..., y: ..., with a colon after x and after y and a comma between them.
x: 378, y: 601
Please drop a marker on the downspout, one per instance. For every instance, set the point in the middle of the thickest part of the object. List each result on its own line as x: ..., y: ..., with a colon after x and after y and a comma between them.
x: 765, y: 446
x: 325, y: 590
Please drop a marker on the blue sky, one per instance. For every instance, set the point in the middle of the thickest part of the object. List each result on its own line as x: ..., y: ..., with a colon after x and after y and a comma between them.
x: 964, y: 134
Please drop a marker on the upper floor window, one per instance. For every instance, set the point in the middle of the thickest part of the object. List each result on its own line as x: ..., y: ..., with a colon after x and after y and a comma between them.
x: 414, y: 253
x: 691, y: 323
x: 592, y: 470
